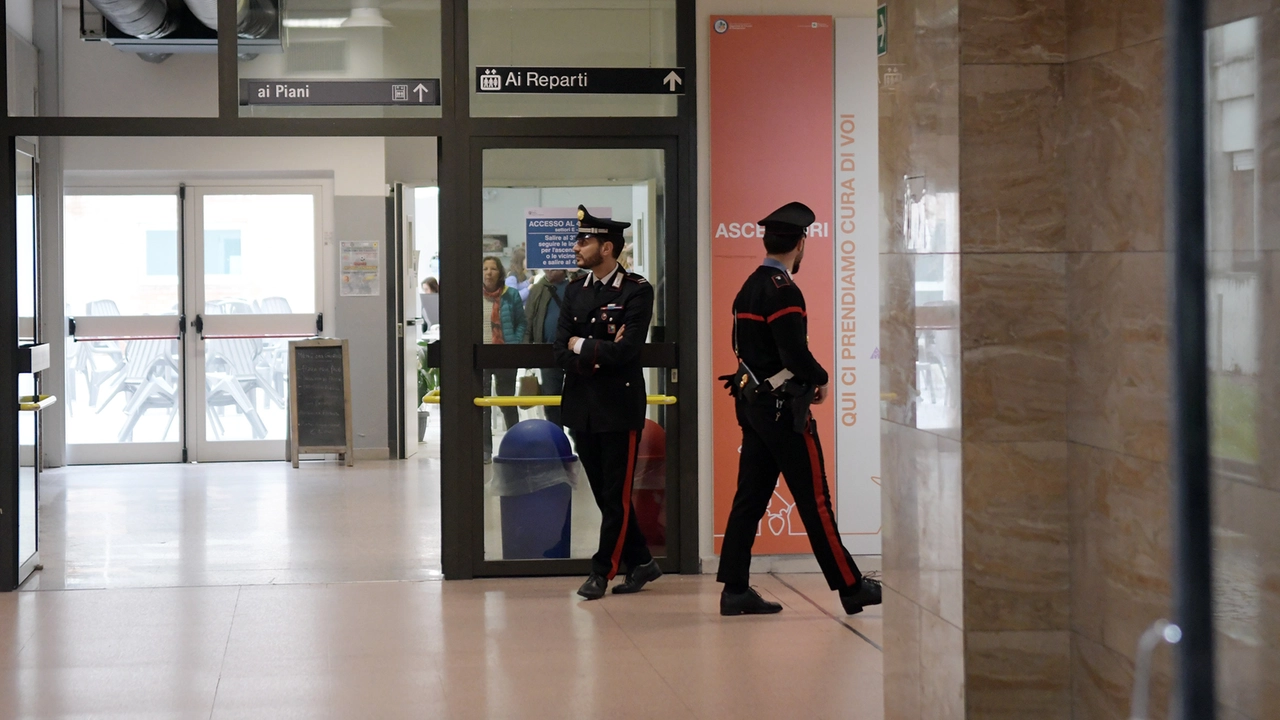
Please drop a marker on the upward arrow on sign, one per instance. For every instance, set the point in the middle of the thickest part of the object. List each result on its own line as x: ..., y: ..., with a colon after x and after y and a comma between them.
x: 672, y: 80
x: 422, y: 91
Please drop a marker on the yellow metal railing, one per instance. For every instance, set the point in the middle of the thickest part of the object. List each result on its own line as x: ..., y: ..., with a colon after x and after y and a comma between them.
x: 433, y: 398
x: 533, y: 400
x: 35, y: 403
x: 545, y: 400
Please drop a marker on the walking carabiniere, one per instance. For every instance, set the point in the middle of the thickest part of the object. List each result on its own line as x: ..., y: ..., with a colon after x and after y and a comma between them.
x: 776, y: 381
x: 603, y: 324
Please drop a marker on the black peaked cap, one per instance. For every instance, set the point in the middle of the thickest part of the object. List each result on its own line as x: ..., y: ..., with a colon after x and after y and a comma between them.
x: 589, y: 224
x: 790, y: 219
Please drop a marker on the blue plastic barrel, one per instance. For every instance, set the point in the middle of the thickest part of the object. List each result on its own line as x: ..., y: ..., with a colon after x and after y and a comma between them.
x: 534, y: 474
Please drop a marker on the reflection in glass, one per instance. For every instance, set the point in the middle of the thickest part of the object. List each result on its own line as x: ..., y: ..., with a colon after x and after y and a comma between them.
x: 522, y: 186
x: 538, y: 503
x: 26, y: 202
x: 121, y: 254
x: 937, y: 313
x: 1233, y: 301
x: 341, y: 40
x: 246, y: 389
x: 259, y: 254
x: 28, y: 298
x: 524, y: 190
x: 1242, y: 311
x: 27, y: 498
x: 932, y: 219
x: 121, y: 259
x: 137, y: 399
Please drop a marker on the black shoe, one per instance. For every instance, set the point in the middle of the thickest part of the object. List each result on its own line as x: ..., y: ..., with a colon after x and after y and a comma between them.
x: 747, y: 603
x: 593, y: 588
x: 866, y: 592
x: 638, y: 577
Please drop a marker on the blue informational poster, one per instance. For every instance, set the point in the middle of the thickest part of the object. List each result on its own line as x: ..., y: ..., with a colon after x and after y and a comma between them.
x: 550, y: 234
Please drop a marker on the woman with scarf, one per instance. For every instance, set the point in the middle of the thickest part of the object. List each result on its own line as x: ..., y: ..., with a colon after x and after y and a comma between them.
x: 504, y: 323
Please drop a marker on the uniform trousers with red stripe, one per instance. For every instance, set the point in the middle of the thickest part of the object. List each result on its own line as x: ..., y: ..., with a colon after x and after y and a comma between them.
x: 609, y: 459
x: 771, y: 446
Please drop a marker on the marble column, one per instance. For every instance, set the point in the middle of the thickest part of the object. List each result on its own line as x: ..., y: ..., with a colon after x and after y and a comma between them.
x: 1025, y: 356
x: 1013, y: 327
x: 920, y: 362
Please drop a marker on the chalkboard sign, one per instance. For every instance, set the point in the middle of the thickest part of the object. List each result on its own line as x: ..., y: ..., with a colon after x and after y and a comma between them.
x: 319, y: 399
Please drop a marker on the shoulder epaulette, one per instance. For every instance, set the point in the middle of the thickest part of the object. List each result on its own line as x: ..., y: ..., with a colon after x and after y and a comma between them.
x: 781, y: 280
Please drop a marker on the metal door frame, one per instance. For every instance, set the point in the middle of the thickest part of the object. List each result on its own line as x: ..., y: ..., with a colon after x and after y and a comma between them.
x: 681, y: 533
x: 458, y: 133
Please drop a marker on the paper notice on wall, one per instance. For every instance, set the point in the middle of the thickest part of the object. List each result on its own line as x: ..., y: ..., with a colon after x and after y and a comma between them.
x: 550, y: 234
x: 359, y: 268
x: 856, y: 378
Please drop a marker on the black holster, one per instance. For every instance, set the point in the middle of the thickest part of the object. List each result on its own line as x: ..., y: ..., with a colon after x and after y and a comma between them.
x: 798, y: 397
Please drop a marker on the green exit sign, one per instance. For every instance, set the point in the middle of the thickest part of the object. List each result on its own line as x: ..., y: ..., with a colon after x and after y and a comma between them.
x: 882, y: 30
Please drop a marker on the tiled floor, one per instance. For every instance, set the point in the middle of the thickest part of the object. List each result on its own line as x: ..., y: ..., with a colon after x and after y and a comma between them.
x: 237, y: 524
x: 433, y: 649
x: 257, y: 591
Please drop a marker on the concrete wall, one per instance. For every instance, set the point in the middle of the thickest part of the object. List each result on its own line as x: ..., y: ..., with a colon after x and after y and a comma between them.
x: 362, y: 321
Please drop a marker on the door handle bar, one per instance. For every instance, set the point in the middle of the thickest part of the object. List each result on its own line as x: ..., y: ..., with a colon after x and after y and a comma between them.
x: 36, y: 403
x: 543, y: 400
x: 260, y: 336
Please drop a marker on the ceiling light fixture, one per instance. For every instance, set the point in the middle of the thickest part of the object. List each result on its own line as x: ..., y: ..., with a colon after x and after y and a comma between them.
x: 314, y: 22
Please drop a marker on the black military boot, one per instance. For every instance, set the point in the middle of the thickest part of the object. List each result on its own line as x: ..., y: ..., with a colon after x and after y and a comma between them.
x: 866, y: 592
x: 638, y: 577
x: 747, y: 603
x: 593, y: 588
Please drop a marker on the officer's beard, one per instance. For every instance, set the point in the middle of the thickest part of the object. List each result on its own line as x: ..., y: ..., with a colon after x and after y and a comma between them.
x: 795, y: 265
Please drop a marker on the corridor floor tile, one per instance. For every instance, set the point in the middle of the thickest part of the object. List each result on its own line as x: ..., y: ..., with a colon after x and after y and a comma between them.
x: 519, y: 648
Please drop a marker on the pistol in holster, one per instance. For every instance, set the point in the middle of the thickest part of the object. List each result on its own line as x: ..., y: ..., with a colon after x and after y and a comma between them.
x: 798, y: 397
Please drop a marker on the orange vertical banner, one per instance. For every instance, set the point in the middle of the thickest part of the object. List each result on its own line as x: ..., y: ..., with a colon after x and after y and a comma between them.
x: 772, y: 141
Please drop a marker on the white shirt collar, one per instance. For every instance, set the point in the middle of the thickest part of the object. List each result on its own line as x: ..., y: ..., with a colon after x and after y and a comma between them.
x: 591, y: 277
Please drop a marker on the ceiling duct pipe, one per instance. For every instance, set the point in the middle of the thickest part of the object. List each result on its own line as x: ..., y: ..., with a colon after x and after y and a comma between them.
x: 254, y: 18
x: 139, y: 18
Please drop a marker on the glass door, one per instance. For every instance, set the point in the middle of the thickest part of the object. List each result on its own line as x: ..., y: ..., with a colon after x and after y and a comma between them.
x: 255, y: 264
x: 538, y: 513
x: 123, y: 290
x: 30, y: 403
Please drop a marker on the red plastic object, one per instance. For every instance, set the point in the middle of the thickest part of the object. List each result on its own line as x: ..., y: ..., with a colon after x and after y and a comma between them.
x: 649, y: 492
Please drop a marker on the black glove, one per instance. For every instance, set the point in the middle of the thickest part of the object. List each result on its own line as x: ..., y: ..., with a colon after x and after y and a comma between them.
x: 728, y: 383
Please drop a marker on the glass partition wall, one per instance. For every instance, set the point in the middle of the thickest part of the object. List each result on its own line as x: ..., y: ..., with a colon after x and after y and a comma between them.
x: 403, y: 71
x: 525, y: 192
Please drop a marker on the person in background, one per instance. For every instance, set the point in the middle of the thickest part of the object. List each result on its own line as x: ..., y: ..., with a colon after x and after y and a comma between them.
x: 546, y: 298
x: 518, y: 278
x: 430, y: 286
x: 504, y: 323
